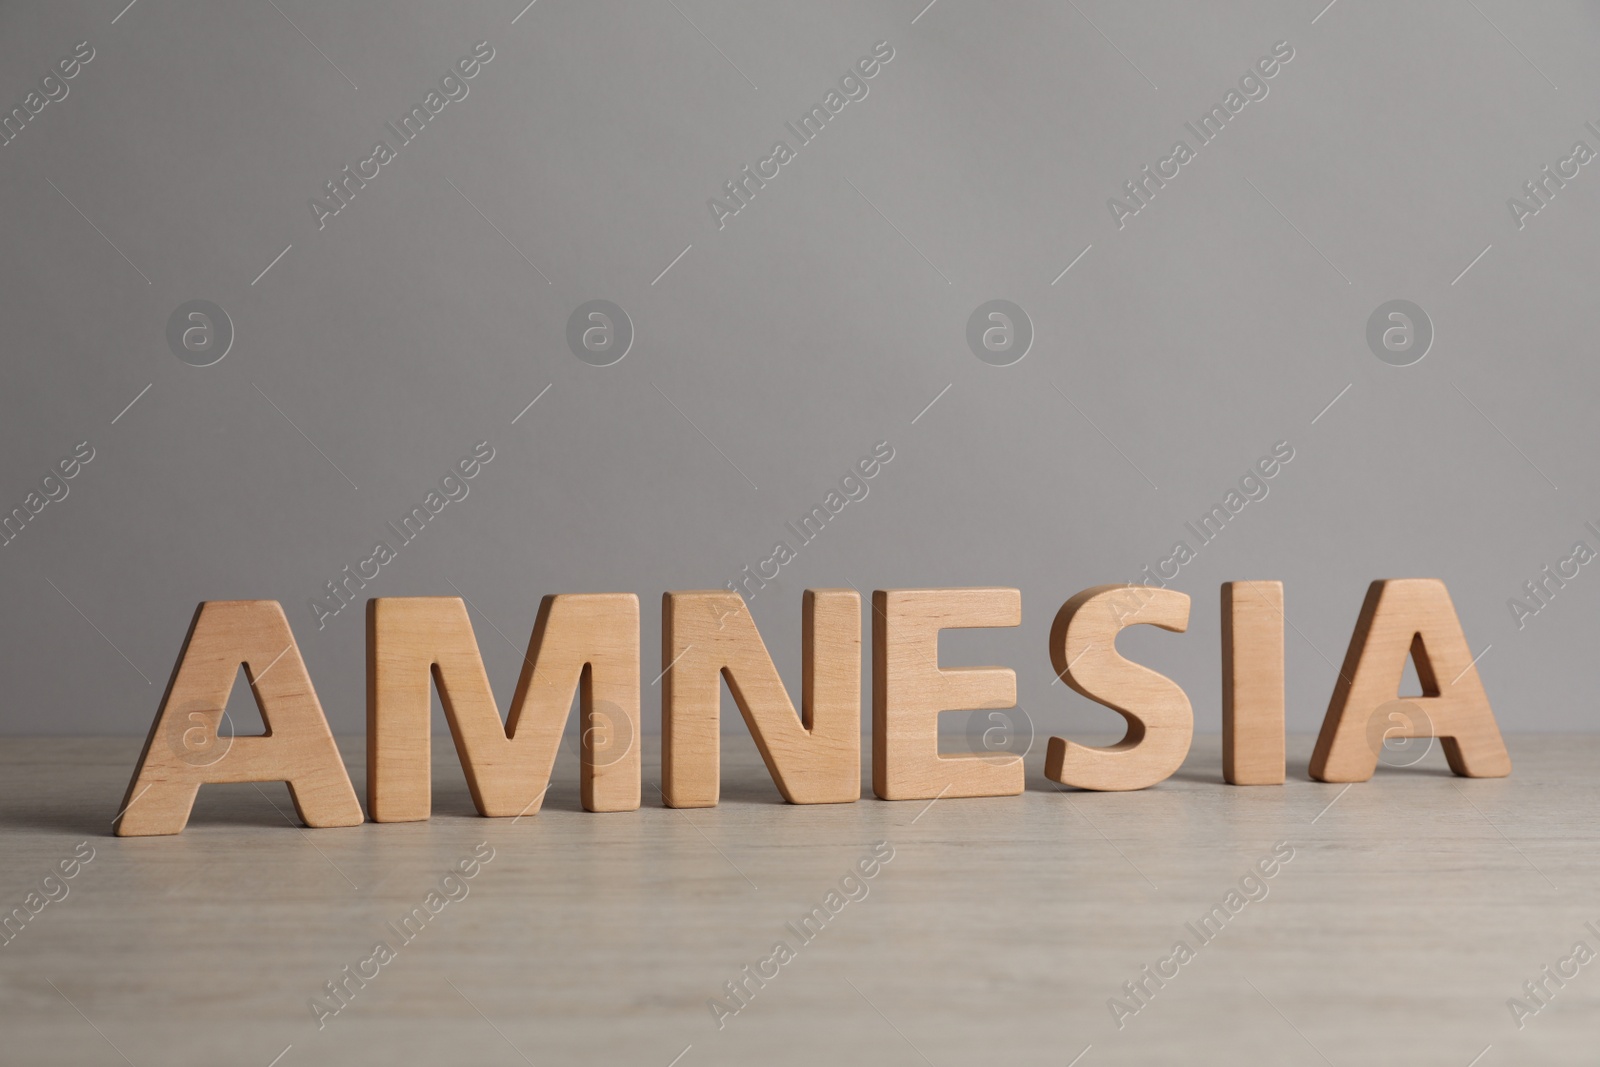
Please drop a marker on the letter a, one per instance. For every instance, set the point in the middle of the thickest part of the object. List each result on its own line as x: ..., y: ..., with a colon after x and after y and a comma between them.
x: 185, y: 749
x: 1415, y: 615
x: 1520, y: 212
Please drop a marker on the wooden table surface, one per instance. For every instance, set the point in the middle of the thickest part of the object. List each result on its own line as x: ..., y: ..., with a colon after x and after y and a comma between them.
x: 1413, y: 908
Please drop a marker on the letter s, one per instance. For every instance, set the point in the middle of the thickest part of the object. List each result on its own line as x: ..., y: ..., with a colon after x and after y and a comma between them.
x: 1159, y: 715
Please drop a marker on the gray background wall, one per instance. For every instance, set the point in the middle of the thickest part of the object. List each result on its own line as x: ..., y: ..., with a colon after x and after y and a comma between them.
x: 822, y: 319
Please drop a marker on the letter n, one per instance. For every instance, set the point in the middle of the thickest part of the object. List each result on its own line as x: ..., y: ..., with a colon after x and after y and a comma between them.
x: 815, y: 756
x: 185, y: 750
x: 1408, y: 615
x: 587, y: 643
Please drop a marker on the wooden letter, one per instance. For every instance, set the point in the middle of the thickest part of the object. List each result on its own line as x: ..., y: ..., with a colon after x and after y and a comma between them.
x: 187, y: 749
x: 910, y: 689
x: 1408, y: 615
x: 1083, y: 647
x: 588, y: 642
x: 814, y: 757
x: 1252, y: 683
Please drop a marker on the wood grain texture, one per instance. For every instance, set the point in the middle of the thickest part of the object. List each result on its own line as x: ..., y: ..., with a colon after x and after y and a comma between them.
x: 1415, y: 616
x: 588, y: 643
x: 598, y: 940
x: 815, y: 756
x: 187, y: 746
x: 1083, y: 648
x: 910, y: 689
x: 1252, y: 683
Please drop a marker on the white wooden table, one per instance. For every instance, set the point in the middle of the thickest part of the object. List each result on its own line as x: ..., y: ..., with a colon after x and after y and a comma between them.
x: 1413, y: 908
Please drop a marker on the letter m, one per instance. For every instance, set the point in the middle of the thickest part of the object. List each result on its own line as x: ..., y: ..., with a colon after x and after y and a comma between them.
x: 17, y: 516
x: 587, y: 643
x: 20, y: 117
x: 813, y: 121
x: 818, y: 515
x: 1218, y: 515
x: 415, y: 115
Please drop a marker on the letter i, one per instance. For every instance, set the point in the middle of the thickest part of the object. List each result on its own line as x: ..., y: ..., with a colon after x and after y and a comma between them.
x: 1252, y: 683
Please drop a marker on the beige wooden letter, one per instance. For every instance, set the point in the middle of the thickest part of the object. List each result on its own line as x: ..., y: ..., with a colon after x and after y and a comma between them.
x: 814, y: 757
x: 588, y: 642
x: 187, y: 747
x: 1412, y: 615
x: 1252, y: 683
x: 910, y: 689
x: 1083, y: 647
